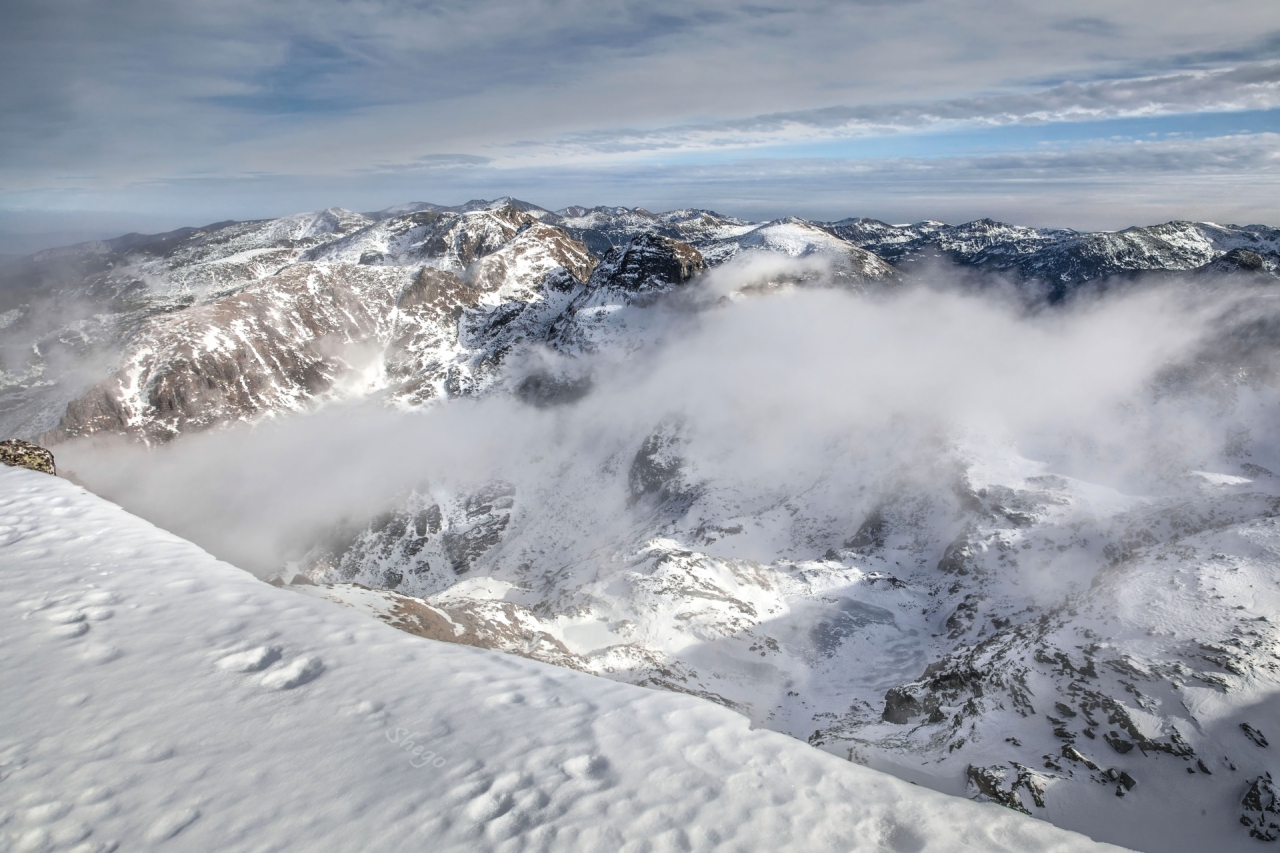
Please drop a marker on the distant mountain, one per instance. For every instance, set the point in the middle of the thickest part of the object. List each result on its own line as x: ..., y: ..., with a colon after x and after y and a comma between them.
x: 1062, y: 259
x: 469, y: 207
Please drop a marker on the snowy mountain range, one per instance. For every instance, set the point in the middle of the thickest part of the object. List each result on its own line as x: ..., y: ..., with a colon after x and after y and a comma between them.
x: 990, y: 508
x: 135, y: 299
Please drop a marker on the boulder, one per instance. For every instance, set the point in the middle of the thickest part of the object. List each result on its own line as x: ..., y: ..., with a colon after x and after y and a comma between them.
x: 24, y: 454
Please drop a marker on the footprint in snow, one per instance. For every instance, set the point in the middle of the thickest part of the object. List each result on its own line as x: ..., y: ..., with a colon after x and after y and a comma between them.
x: 46, y: 813
x: 295, y: 674
x: 586, y: 766
x: 71, y: 630
x: 66, y: 617
x: 251, y: 660
x: 152, y: 753
x: 171, y: 824
x: 100, y: 653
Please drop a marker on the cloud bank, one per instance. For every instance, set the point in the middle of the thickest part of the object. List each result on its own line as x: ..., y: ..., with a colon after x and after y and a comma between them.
x: 769, y: 395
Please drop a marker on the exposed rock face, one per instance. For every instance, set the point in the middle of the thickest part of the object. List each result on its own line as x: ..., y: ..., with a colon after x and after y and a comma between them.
x: 989, y: 783
x: 649, y: 263
x: 319, y: 329
x: 1261, y: 812
x: 424, y: 547
x: 1241, y: 263
x: 498, y: 625
x: 605, y: 228
x: 277, y: 345
x: 629, y: 280
x: 24, y: 454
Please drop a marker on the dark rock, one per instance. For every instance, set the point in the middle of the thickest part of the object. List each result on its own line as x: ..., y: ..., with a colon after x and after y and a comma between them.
x: 962, y: 619
x: 989, y: 782
x: 1261, y: 812
x: 545, y: 390
x: 1071, y: 753
x: 487, y: 514
x: 1118, y: 743
x: 1253, y: 734
x: 649, y: 263
x: 24, y: 454
x: 871, y: 532
x: 561, y: 280
x: 900, y: 706
x: 1235, y: 262
x: 957, y: 558
x: 657, y: 471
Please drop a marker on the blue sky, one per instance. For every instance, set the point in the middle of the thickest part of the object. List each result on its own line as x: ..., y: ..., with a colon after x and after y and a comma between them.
x: 146, y: 114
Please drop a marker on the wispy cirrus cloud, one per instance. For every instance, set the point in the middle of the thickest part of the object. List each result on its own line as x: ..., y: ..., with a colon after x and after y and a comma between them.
x: 1253, y: 86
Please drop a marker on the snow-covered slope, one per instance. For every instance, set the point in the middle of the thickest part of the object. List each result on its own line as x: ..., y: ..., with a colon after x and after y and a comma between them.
x: 794, y: 238
x: 155, y: 698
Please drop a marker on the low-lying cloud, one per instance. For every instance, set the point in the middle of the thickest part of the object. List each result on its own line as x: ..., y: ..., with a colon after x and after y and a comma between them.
x: 771, y: 396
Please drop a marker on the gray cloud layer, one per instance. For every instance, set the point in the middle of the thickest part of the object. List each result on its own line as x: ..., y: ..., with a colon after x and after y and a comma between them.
x: 112, y: 106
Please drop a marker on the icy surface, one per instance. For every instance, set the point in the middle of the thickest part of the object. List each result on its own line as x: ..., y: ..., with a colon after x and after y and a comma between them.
x: 155, y: 698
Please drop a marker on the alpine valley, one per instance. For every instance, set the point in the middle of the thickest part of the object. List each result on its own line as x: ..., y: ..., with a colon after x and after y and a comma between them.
x: 994, y: 509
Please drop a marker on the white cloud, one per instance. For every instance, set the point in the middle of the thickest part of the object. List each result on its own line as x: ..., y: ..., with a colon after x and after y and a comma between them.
x: 1255, y: 86
x: 773, y: 392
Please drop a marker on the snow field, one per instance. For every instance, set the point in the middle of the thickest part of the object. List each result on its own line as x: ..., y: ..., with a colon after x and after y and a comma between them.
x: 155, y: 698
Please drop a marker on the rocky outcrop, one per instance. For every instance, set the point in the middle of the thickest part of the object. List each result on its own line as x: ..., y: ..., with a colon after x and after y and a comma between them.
x: 989, y: 783
x: 649, y: 263
x: 1261, y: 809
x: 605, y: 228
x: 24, y: 454
x: 1241, y: 263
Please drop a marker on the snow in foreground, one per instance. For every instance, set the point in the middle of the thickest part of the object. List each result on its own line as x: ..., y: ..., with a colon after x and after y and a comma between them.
x: 153, y: 697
